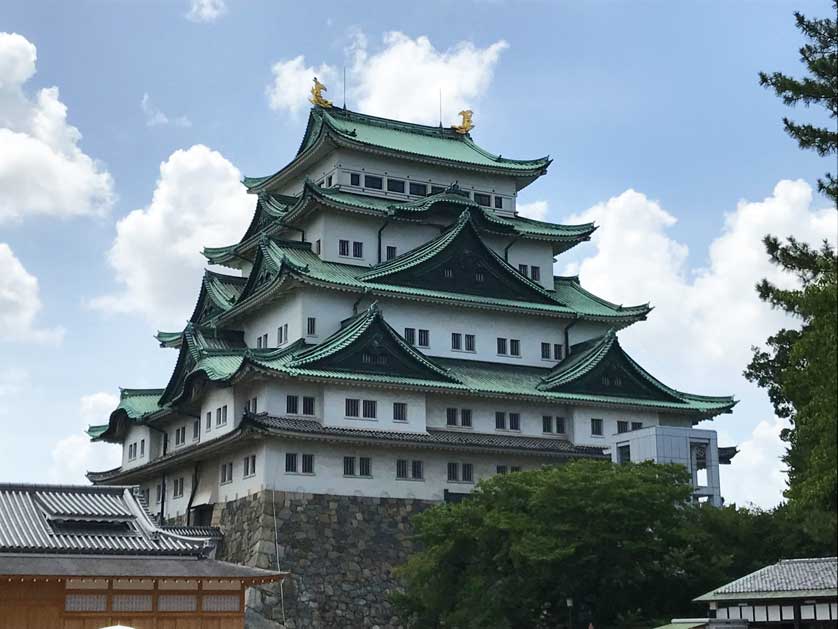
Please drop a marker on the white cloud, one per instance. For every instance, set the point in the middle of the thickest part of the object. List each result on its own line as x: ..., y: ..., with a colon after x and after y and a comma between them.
x: 536, y: 210
x: 74, y: 455
x: 12, y: 381
x: 206, y: 10
x: 199, y: 201
x: 154, y: 117
x: 292, y: 81
x: 20, y: 302
x: 706, y: 319
x: 42, y: 168
x: 401, y: 80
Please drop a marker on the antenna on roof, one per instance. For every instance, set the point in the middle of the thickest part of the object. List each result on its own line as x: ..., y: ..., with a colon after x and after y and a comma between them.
x: 344, y: 87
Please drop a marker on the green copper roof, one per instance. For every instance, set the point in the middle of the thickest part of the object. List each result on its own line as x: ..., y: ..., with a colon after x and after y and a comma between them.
x: 94, y: 432
x: 402, y: 139
x: 134, y: 405
x: 282, y: 258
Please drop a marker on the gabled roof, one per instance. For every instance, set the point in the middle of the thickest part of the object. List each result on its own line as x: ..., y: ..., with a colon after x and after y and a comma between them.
x: 71, y: 519
x: 291, y: 210
x: 395, y: 138
x: 218, y: 294
x: 789, y: 578
x: 601, y: 366
x: 460, y: 252
x: 367, y: 344
x: 134, y: 405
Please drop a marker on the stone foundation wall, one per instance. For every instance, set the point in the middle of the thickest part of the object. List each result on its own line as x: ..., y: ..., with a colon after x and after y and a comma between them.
x: 340, y: 551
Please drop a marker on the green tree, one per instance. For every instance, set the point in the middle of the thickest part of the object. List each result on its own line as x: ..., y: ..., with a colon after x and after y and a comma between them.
x: 799, y: 370
x: 820, y: 55
x: 614, y: 538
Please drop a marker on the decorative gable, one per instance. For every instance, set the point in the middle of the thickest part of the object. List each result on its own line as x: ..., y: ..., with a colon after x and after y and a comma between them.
x: 458, y: 261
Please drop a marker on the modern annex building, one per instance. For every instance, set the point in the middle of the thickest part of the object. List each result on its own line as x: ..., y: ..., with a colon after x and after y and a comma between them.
x: 389, y: 327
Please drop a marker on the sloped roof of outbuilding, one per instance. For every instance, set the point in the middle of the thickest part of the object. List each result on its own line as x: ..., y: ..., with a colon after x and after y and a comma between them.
x: 788, y: 578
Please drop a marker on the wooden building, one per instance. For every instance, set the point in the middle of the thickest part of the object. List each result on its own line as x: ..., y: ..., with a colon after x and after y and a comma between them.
x: 75, y: 557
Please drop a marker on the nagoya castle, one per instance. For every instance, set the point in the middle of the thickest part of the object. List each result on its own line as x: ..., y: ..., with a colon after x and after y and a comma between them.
x: 389, y: 331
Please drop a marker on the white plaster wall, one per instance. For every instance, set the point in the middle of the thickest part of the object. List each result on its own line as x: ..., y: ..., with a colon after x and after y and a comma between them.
x: 271, y: 397
x: 352, y: 227
x: 582, y: 331
x: 486, y: 326
x: 582, y: 416
x: 529, y: 252
x: 334, y: 405
x: 214, y: 398
x: 134, y: 435
x: 266, y: 320
x: 483, y: 415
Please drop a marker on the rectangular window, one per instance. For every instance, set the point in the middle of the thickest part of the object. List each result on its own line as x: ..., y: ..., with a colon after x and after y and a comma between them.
x: 499, y: 203
x: 418, y: 189
x: 514, y: 421
x: 535, y: 273
x: 483, y: 199
x: 180, y: 436
x: 329, y: 181
x: 371, y: 181
x: 290, y: 461
x: 451, y: 416
x: 596, y: 427
x: 470, y: 344
x: 343, y: 248
x: 410, y: 336
x: 560, y: 427
x: 357, y: 249
x: 424, y: 338
x: 223, y: 414
x: 453, y: 471
x: 558, y: 351
x: 500, y: 469
x: 623, y: 454
x: 292, y: 404
x: 196, y: 432
x: 311, y: 326
x: 399, y: 412
x: 131, y: 455
x: 522, y: 269
x: 308, y: 405
x: 514, y: 347
x: 465, y: 417
x: 636, y: 425
x: 500, y: 420
x: 142, y: 441
x: 353, y: 407
x: 158, y: 493
x: 468, y: 473
x: 265, y: 339
x: 218, y: 417
x: 395, y: 185
x: 308, y: 464
x: 546, y: 423
x: 515, y: 468
x: 258, y: 342
x: 253, y: 401
x: 178, y: 488
x: 364, y: 466
x: 250, y: 465
x: 226, y: 473
x: 401, y: 469
x: 502, y: 346
x: 456, y: 340
x: 545, y: 351
x: 349, y: 466
x: 209, y: 420
x: 370, y: 409
x: 437, y: 189
x: 417, y: 470
x: 317, y: 246
x: 622, y: 426
x: 354, y: 179
x: 391, y: 252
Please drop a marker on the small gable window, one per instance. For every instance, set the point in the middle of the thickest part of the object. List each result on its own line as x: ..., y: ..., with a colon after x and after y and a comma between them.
x: 373, y: 182
x: 424, y: 338
x: 391, y: 252
x: 357, y: 249
x: 479, y: 277
x: 596, y: 427
x: 499, y: 203
x: 410, y: 335
x: 448, y: 272
x: 418, y: 189
x: 483, y: 199
x: 343, y: 247
x: 535, y: 273
x: 354, y: 179
x: 395, y: 185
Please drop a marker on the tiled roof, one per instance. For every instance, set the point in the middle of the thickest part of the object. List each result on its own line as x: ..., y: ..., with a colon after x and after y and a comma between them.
x: 83, y: 520
x: 789, y: 577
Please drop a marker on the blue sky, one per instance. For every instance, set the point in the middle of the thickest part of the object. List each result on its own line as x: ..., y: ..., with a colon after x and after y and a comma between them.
x: 651, y: 110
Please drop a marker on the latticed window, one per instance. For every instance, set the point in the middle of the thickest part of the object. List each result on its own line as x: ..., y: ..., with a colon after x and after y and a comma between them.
x: 451, y: 416
x: 501, y: 346
x: 417, y: 470
x: 401, y: 468
x: 424, y: 338
x: 470, y: 345
x: 546, y: 423
x: 560, y: 425
x: 545, y: 351
x: 465, y: 417
x: 343, y: 247
x: 353, y: 407
x: 364, y: 466
x: 292, y: 404
x: 468, y: 473
x: 596, y: 427
x: 515, y: 347
x: 370, y: 409
x: 535, y: 273
x: 290, y: 461
x: 453, y: 471
x: 357, y: 249
x: 622, y: 426
x: 308, y: 405
x: 308, y: 464
x: 390, y: 252
x: 500, y: 420
x: 410, y: 335
x: 514, y: 421
x: 349, y: 466
x: 399, y: 411
x: 636, y: 425
x: 456, y: 340
x: 448, y: 272
x: 501, y: 469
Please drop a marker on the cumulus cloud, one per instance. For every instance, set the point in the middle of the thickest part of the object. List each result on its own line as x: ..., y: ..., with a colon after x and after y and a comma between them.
x: 156, y: 256
x: 74, y: 455
x: 401, y: 79
x: 292, y: 81
x: 12, y: 381
x: 20, y: 302
x: 204, y: 11
x: 42, y: 168
x: 154, y: 117
x: 707, y: 318
x: 536, y: 210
